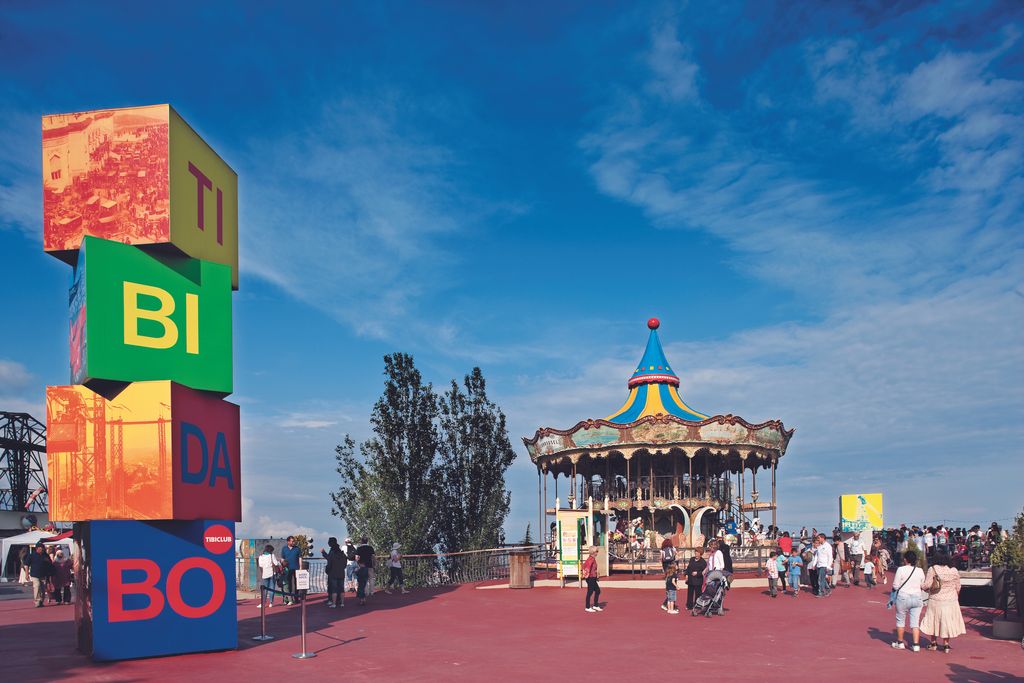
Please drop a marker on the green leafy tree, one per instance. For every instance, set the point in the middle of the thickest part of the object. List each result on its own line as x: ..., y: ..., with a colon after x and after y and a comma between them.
x: 527, y: 538
x: 475, y: 454
x: 388, y: 488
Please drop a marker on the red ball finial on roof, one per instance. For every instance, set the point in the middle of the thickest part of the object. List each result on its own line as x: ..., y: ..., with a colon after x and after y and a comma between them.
x: 653, y: 323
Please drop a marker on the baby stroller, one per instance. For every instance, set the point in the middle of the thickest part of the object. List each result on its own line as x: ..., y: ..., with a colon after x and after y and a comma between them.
x: 710, y: 600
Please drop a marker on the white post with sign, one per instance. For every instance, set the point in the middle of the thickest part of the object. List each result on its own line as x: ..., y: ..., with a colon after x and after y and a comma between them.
x: 302, y: 580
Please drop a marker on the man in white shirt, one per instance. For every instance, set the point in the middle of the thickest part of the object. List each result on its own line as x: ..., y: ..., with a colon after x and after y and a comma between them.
x: 856, y: 555
x: 822, y: 562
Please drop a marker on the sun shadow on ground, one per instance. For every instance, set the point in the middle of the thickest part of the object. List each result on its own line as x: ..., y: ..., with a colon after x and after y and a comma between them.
x: 964, y: 674
x: 285, y: 622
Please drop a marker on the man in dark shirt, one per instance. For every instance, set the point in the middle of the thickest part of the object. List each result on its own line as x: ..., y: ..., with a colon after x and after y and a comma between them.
x: 40, y: 568
x: 290, y: 558
x: 364, y: 555
x: 695, y: 576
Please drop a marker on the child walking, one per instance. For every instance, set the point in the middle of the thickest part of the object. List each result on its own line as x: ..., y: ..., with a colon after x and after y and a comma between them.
x: 773, y: 573
x: 870, y: 562
x: 670, y: 589
x: 780, y: 564
x: 794, y: 564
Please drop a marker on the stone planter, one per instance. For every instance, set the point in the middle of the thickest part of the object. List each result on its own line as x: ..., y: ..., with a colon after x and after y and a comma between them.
x: 1018, y: 597
x: 1001, y: 581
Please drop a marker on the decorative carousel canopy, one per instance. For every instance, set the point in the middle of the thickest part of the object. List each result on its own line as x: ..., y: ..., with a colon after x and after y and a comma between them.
x: 655, y: 418
x: 653, y: 387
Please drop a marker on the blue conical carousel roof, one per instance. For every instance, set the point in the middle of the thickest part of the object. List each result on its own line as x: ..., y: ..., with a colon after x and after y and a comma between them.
x: 653, y: 388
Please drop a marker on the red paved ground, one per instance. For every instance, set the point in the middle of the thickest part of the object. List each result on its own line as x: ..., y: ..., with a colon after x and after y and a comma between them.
x: 540, y: 634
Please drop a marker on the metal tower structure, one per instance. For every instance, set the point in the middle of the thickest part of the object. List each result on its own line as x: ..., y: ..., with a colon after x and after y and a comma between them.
x: 22, y: 470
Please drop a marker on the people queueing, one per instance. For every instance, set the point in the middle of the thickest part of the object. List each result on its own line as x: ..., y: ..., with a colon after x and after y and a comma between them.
x: 589, y: 574
x: 290, y: 555
x: 337, y: 562
x: 269, y: 567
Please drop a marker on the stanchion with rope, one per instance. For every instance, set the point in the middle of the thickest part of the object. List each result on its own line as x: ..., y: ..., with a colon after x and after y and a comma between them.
x: 263, y: 616
x: 301, y: 588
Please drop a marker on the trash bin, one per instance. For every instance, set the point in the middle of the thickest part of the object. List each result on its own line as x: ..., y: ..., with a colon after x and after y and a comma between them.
x: 519, y: 569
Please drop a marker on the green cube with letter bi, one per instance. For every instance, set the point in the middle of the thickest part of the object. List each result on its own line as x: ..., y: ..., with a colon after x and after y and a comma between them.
x: 138, y: 316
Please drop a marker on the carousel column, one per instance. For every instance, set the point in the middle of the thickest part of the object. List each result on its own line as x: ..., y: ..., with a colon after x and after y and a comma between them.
x: 629, y: 497
x: 707, y: 483
x: 572, y: 487
x: 540, y: 505
x: 650, y: 487
x: 689, y: 482
x: 675, y: 480
x: 775, y: 521
x: 743, y: 483
x: 753, y: 490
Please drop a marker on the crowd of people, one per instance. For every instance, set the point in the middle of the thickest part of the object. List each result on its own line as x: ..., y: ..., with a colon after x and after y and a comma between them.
x: 925, y: 585
x: 348, y: 569
x: 50, y: 573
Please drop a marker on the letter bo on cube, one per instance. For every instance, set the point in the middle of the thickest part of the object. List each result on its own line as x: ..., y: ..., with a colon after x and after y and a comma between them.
x: 155, y: 588
x: 156, y: 451
x: 136, y: 317
x: 139, y: 176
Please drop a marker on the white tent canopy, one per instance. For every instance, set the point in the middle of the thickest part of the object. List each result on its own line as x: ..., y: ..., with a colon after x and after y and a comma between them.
x: 29, y: 538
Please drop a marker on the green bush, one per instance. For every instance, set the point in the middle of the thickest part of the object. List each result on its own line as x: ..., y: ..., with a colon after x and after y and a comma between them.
x: 1009, y: 552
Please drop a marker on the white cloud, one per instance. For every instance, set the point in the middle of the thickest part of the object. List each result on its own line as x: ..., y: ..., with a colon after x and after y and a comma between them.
x: 351, y: 208
x: 16, y: 389
x: 265, y: 526
x: 674, y: 73
x: 300, y: 422
x: 13, y: 375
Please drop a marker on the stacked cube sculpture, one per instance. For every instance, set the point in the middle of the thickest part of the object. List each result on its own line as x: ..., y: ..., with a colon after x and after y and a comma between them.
x: 143, y: 451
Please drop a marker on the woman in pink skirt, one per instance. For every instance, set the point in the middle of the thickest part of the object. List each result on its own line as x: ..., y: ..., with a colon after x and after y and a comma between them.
x: 942, y: 619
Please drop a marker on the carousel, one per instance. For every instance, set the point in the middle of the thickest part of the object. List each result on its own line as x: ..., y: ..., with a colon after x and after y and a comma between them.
x: 656, y: 469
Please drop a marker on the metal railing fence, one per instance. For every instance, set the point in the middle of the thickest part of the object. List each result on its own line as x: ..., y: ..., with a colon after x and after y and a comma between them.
x: 418, y: 570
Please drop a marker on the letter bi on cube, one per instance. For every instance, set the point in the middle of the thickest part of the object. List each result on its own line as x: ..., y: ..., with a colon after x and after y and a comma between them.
x: 138, y: 176
x: 156, y: 451
x: 137, y: 317
x: 155, y: 588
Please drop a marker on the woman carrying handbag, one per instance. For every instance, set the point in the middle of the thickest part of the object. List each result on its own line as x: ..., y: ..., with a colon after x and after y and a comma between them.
x: 943, y: 619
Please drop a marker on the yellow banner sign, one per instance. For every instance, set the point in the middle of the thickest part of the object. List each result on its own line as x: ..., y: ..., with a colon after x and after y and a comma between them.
x: 860, y: 511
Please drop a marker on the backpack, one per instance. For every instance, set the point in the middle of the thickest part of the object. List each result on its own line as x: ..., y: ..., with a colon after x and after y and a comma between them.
x: 668, y: 554
x: 350, y: 553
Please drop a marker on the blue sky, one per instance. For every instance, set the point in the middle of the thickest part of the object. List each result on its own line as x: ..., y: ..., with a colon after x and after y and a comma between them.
x: 823, y: 205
